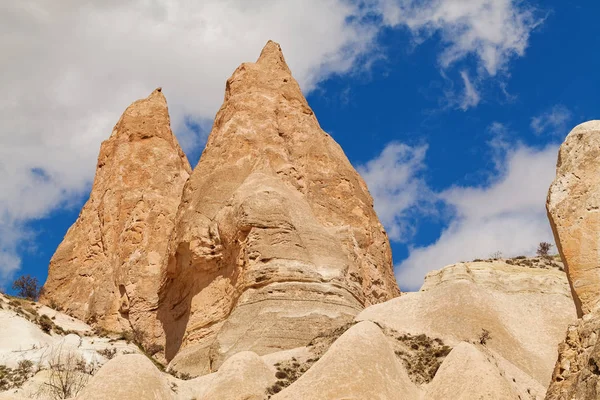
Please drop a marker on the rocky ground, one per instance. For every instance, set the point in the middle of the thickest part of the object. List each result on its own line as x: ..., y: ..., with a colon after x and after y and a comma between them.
x: 494, y: 322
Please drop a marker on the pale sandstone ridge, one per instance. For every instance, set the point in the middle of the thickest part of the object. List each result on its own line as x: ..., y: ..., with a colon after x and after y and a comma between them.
x: 574, y: 211
x: 107, y: 270
x: 276, y: 238
x: 525, y: 309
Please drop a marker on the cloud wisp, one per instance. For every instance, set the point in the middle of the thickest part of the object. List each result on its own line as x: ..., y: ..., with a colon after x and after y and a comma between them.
x: 493, y: 32
x: 552, y: 122
x: 506, y: 214
x: 396, y: 186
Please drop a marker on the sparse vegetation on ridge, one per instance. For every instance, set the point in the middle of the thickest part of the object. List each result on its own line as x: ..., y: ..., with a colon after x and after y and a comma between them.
x: 15, y: 378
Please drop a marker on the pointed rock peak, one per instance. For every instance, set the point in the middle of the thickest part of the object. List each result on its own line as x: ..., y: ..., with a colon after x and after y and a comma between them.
x: 272, y: 56
x: 146, y: 118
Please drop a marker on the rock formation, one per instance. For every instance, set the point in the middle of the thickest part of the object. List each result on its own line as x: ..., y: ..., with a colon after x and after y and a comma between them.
x: 524, y: 304
x: 107, y: 270
x: 574, y: 210
x: 276, y: 238
x: 353, y: 370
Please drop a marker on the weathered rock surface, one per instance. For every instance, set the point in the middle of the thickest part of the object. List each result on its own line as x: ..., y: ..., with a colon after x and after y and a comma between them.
x: 276, y: 238
x: 577, y: 372
x: 526, y: 310
x: 244, y: 376
x: 574, y: 211
x: 127, y: 377
x: 107, y: 270
x: 573, y: 206
x: 470, y: 373
x: 361, y: 364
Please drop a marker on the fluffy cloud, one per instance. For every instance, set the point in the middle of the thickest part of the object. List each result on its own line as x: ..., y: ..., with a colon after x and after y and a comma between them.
x: 506, y: 215
x: 491, y: 31
x: 494, y: 31
x: 70, y: 68
x: 397, y: 189
x: 553, y: 121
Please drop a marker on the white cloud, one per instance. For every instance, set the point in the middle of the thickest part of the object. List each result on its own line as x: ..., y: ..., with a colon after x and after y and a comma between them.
x: 471, y: 96
x: 398, y: 190
x: 507, y: 215
x: 553, y: 121
x: 70, y: 69
x: 494, y: 31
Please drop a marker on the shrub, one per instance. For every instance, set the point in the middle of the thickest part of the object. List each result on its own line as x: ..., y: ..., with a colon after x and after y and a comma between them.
x: 45, y: 323
x: 27, y: 287
x: 109, y: 352
x: 543, y: 249
x: 154, y: 348
x: 68, y: 374
x: 484, y: 336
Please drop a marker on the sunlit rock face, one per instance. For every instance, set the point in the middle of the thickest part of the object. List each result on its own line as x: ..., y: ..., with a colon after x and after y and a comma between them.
x: 574, y: 210
x: 276, y: 238
x: 107, y: 270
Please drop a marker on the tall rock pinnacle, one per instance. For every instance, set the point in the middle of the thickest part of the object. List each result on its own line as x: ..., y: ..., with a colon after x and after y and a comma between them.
x: 107, y: 270
x: 574, y: 211
x: 276, y: 238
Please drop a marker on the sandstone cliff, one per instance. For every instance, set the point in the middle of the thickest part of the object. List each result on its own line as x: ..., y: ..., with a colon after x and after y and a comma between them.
x: 574, y: 210
x: 276, y: 238
x: 107, y: 270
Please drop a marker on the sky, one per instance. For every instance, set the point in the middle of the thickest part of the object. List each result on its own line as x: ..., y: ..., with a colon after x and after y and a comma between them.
x: 452, y: 110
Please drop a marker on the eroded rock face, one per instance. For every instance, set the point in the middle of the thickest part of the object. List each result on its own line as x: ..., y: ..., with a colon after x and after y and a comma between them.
x: 574, y: 211
x: 525, y: 309
x: 107, y: 270
x: 577, y: 372
x: 361, y: 364
x: 276, y: 238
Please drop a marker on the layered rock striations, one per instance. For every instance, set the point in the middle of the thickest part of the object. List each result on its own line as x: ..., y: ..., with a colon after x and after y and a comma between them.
x: 107, y: 270
x: 276, y: 238
x: 574, y: 210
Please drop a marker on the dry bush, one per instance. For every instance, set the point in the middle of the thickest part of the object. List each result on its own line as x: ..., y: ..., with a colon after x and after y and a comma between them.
x: 69, y: 374
x: 421, y: 355
x: 109, y: 353
x: 484, y: 336
x: 15, y: 378
x: 27, y: 287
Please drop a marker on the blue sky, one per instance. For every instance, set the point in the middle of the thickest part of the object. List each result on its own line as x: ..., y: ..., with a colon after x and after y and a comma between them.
x: 452, y: 110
